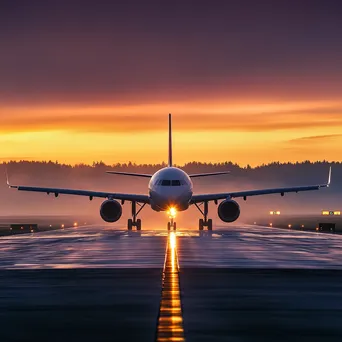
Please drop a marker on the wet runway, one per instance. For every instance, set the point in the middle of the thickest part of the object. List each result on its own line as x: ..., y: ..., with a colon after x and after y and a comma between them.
x: 237, y: 246
x: 242, y: 283
x: 83, y: 247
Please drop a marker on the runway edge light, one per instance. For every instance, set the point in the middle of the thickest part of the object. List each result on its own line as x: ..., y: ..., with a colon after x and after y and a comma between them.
x: 331, y: 212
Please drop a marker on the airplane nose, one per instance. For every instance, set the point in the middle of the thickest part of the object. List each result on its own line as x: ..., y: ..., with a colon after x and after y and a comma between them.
x: 175, y: 199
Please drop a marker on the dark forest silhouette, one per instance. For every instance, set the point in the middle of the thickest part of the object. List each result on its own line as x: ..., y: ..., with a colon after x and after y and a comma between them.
x: 307, y: 172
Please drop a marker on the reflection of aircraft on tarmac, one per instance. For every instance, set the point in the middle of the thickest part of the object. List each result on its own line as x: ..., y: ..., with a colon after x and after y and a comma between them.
x: 170, y: 189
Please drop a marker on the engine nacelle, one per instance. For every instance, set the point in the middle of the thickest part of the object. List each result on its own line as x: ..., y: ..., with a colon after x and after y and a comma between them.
x: 228, y: 211
x: 110, y: 211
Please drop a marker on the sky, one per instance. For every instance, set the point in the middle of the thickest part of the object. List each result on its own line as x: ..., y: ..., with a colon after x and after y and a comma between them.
x: 247, y: 81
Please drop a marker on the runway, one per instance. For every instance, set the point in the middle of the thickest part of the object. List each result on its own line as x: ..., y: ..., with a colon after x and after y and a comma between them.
x: 241, y: 283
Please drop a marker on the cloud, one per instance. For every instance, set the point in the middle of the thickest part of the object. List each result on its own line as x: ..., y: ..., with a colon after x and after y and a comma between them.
x: 141, y: 121
x: 315, y: 139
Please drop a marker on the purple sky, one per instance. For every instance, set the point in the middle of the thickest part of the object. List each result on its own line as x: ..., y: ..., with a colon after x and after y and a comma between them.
x: 139, y: 51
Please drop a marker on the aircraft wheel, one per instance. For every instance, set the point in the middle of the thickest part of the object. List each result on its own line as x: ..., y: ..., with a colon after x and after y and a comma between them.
x: 138, y: 224
x: 210, y: 224
x: 200, y: 224
x: 168, y: 226
x: 130, y: 224
x: 174, y: 226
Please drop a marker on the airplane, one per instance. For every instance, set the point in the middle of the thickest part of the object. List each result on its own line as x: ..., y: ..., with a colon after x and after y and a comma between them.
x: 171, y: 190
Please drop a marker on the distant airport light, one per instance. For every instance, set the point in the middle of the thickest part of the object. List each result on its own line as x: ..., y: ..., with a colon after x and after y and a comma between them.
x: 302, y: 225
x: 331, y: 212
x: 274, y: 212
x: 50, y: 225
x: 75, y: 224
x: 32, y: 230
x: 271, y: 224
x: 290, y: 225
x: 317, y: 228
x: 62, y: 226
x: 254, y: 222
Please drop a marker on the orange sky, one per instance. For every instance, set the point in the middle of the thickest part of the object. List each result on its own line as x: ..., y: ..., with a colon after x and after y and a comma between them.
x: 247, y: 132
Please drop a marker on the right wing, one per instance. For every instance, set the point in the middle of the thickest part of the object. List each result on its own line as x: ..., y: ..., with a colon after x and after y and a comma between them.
x: 218, y: 196
x: 87, y: 193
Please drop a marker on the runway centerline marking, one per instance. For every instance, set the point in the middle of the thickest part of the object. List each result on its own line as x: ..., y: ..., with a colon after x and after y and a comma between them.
x: 170, y: 319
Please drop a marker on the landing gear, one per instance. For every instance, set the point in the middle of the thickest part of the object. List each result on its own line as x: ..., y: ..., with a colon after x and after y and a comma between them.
x: 208, y: 224
x: 204, y: 222
x: 134, y: 222
x: 171, y: 224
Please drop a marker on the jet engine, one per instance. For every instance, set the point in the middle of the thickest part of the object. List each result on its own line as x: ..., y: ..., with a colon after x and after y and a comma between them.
x: 110, y: 210
x: 228, y: 211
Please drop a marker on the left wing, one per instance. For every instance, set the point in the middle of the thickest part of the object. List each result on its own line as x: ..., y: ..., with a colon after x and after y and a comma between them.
x: 87, y: 193
x: 196, y: 175
x: 245, y: 194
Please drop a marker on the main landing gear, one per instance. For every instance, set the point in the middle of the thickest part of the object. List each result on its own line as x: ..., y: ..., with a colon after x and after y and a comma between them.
x: 204, y: 222
x: 134, y: 222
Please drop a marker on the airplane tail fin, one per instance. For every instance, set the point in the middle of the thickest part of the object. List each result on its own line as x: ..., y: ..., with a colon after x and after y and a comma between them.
x: 170, y: 141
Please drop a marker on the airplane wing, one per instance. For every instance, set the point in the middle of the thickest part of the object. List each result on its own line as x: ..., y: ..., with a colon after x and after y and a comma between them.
x: 245, y: 194
x: 129, y: 174
x: 195, y: 175
x: 87, y: 193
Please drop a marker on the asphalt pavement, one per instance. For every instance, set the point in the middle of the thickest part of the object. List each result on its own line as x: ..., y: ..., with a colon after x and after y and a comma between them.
x: 242, y: 283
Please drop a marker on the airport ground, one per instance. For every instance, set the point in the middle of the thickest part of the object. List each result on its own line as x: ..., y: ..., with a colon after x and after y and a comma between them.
x: 242, y: 283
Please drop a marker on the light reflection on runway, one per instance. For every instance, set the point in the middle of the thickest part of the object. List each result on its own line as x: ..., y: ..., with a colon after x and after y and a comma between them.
x: 170, y: 320
x: 231, y: 246
x: 259, y: 247
x: 84, y: 247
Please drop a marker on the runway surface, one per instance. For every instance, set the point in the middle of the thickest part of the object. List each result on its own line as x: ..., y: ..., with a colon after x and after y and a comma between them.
x: 242, y: 283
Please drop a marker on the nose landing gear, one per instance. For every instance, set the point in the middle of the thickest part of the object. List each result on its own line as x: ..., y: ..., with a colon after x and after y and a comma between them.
x: 204, y: 222
x: 172, y: 215
x: 171, y: 224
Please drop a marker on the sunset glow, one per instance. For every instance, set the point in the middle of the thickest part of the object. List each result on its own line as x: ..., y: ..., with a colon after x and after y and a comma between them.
x: 254, y: 134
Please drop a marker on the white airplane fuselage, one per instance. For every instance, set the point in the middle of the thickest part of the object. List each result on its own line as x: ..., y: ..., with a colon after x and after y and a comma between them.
x: 170, y: 187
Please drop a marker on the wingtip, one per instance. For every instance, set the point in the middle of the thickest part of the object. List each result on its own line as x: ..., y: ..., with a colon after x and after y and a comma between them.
x: 8, y: 182
x: 329, y: 178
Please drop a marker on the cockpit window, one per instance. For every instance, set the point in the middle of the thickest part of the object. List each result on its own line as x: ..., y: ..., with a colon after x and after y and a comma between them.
x: 175, y: 183
x: 167, y: 182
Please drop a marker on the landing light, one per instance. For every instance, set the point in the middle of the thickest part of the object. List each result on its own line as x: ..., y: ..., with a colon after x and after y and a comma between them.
x: 172, y: 212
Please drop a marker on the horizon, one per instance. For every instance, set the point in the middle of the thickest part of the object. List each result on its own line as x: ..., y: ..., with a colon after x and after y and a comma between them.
x: 164, y: 163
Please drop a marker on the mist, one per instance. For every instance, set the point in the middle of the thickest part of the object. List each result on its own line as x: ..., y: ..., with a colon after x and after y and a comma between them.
x: 93, y: 177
